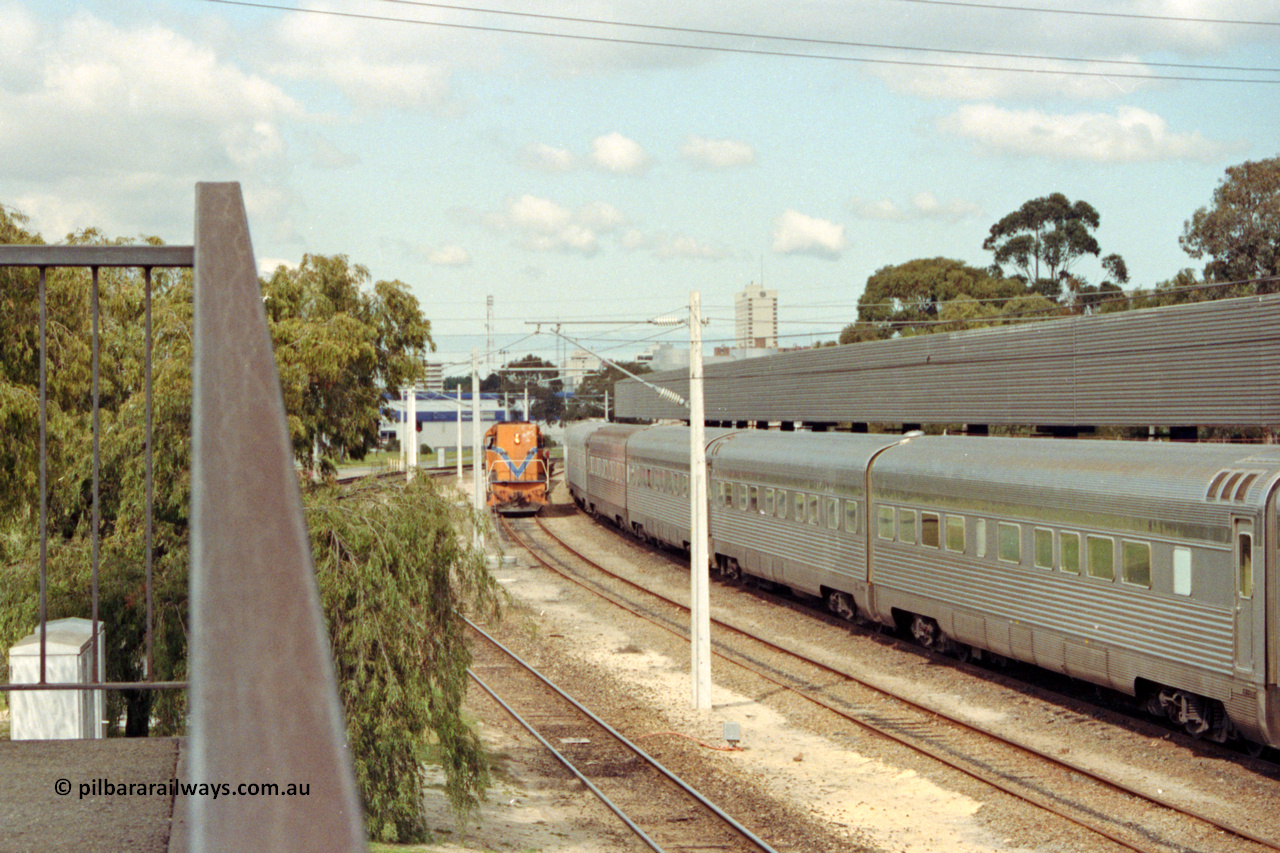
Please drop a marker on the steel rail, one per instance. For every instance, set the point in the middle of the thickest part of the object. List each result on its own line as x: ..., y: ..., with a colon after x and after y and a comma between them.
x: 653, y: 762
x: 1114, y: 784
x: 560, y: 756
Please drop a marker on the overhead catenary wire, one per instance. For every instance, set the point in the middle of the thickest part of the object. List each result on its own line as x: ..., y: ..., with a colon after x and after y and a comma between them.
x: 819, y: 41
x: 1041, y: 10
x: 1110, y: 75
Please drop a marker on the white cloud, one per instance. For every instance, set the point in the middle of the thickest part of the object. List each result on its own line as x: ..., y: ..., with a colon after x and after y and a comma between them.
x: 127, y: 126
x: 545, y: 158
x: 268, y: 266
x: 717, y: 153
x: 541, y: 224
x: 616, y: 153
x: 531, y: 214
x: 923, y: 205
x: 797, y: 234
x: 449, y: 256
x: 684, y: 246
x: 373, y: 67
x: 1130, y: 135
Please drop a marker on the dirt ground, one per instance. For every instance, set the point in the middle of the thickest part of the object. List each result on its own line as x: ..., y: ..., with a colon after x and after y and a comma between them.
x: 853, y: 800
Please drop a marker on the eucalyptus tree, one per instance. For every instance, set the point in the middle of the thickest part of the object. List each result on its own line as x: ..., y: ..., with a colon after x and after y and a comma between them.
x: 1044, y: 238
x: 1240, y: 232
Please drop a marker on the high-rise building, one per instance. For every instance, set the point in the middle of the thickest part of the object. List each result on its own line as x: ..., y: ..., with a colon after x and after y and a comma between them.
x: 433, y: 380
x: 579, y: 364
x: 755, y: 313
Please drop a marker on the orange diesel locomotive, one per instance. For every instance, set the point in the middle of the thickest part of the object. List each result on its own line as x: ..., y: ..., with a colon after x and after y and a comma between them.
x: 517, y: 468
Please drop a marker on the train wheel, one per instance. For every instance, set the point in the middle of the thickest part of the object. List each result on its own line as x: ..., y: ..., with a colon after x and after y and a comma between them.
x: 926, y: 632
x: 842, y: 605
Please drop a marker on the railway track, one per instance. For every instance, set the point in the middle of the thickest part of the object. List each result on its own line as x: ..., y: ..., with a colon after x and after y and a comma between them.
x: 1127, y: 815
x: 662, y: 810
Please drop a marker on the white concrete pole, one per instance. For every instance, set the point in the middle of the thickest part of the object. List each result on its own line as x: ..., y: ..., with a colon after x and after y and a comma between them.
x: 699, y: 571
x: 411, y: 431
x: 459, y: 436
x: 527, y: 416
x: 606, y: 404
x: 477, y: 452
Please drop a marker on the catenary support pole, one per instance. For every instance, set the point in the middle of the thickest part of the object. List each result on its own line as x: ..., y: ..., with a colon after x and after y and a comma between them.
x: 699, y: 571
x: 410, y: 432
x: 477, y: 452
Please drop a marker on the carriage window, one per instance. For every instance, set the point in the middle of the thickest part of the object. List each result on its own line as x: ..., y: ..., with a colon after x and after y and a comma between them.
x: 851, y: 516
x: 955, y: 533
x: 884, y: 522
x: 742, y: 495
x: 1182, y: 571
x: 753, y: 499
x: 782, y: 503
x: 980, y: 533
x: 1244, y: 564
x: 929, y: 534
x: 813, y: 509
x: 1069, y: 543
x: 1102, y: 558
x: 799, y: 516
x: 1009, y: 542
x: 1044, y: 548
x: 724, y: 493
x: 1135, y: 563
x: 907, y: 526
x: 768, y: 501
x: 833, y: 513
x: 684, y: 485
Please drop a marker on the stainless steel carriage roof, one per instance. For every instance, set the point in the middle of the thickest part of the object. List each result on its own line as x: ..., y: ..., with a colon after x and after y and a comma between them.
x: 667, y: 444
x: 610, y: 439
x: 798, y: 457
x: 576, y: 434
x: 1202, y: 364
x: 1158, y: 483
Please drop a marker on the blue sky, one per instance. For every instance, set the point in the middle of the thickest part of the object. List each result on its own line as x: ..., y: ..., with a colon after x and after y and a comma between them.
x: 575, y: 180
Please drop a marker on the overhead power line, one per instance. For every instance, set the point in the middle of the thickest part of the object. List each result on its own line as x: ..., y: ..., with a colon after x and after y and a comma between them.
x: 1181, y: 19
x: 1112, y: 75
x: 823, y: 42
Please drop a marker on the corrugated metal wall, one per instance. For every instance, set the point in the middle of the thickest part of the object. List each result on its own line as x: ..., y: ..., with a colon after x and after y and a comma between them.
x: 1211, y: 363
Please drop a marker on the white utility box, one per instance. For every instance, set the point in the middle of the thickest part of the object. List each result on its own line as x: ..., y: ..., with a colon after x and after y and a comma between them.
x: 58, y: 714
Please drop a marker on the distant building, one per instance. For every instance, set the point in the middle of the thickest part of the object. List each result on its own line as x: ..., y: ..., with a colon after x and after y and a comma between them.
x: 577, y: 365
x: 755, y: 312
x: 434, y: 378
x: 437, y: 416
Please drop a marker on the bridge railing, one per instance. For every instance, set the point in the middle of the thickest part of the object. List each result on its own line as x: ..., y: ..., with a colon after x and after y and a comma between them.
x: 263, y: 700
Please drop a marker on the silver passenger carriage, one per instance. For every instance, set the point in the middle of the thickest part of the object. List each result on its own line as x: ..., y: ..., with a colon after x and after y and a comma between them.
x: 575, y: 459
x: 791, y: 508
x: 605, y: 454
x: 658, y: 482
x: 1147, y: 567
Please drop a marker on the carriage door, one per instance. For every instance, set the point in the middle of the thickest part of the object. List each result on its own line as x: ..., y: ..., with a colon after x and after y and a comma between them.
x: 1243, y: 555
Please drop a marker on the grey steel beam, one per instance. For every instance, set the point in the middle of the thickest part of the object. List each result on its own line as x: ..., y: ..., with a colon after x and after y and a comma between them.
x: 96, y: 256
x: 264, y: 699
x: 1204, y: 364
